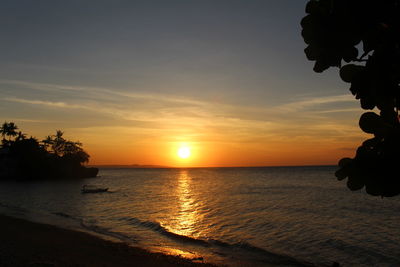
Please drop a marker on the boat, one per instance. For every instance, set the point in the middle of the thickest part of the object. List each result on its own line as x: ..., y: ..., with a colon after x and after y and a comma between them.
x: 93, y: 189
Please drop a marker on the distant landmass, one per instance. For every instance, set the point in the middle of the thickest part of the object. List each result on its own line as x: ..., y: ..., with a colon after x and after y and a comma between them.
x: 139, y: 166
x: 132, y: 166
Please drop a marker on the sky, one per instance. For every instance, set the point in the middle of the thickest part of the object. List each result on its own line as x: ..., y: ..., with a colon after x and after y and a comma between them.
x: 136, y: 80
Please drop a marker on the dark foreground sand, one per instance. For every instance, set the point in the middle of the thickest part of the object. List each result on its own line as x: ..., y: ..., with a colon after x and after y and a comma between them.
x: 24, y: 243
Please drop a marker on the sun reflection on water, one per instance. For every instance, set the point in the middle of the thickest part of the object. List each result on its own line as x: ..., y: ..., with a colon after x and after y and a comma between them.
x: 186, y: 217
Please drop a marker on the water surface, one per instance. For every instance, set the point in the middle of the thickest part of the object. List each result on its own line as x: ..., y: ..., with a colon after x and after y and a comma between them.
x: 225, y: 215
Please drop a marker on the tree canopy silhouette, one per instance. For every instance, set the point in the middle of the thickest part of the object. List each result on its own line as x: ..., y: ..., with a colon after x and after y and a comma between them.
x: 9, y: 130
x: 362, y: 39
x: 27, y: 158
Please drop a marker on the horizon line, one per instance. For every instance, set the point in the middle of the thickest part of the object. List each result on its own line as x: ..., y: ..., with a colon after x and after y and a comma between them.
x: 149, y: 166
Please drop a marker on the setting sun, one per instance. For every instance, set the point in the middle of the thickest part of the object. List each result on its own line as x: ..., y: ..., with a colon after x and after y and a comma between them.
x: 184, y: 152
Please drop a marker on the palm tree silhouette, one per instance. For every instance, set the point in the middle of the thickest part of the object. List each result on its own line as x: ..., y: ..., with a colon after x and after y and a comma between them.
x: 20, y: 136
x: 8, y: 129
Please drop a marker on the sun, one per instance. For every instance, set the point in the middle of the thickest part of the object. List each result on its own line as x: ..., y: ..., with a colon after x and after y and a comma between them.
x: 184, y: 152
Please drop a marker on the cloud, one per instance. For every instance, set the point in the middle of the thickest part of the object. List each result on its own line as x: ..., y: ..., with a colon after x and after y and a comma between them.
x: 304, y: 104
x: 97, y: 91
x: 105, y: 94
x: 29, y: 120
x: 41, y: 102
x: 312, y: 118
x: 339, y: 110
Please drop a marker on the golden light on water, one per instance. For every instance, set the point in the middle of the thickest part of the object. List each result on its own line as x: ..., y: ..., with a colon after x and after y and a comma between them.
x: 186, y: 217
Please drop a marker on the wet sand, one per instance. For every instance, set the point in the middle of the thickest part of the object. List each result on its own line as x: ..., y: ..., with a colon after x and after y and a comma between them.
x: 23, y: 243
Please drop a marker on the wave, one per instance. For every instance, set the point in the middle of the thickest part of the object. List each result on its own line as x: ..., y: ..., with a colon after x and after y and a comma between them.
x: 108, y: 232
x: 13, y: 208
x: 234, y: 247
x: 97, y: 229
x: 155, y: 226
x: 221, y: 247
x: 62, y: 214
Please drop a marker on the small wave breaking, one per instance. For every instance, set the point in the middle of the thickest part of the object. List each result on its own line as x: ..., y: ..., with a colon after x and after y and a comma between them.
x: 236, y: 247
x: 97, y: 229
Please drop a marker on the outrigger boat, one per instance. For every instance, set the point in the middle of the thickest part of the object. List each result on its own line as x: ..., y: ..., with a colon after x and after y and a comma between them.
x: 93, y: 189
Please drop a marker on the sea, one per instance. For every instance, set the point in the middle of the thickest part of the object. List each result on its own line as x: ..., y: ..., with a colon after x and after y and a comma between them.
x: 260, y: 216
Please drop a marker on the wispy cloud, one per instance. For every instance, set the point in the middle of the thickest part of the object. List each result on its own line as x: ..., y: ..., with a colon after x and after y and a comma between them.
x: 41, y: 102
x: 303, y: 104
x: 185, y: 116
x: 293, y: 106
x: 339, y: 110
x: 97, y: 91
x: 28, y: 120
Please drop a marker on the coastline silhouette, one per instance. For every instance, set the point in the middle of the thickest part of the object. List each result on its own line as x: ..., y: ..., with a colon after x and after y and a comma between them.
x: 54, y: 157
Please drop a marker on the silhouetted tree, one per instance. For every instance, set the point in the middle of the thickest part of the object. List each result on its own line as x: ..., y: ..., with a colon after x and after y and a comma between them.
x: 61, y: 147
x: 367, y: 35
x: 8, y: 129
x: 20, y: 136
x: 55, y: 157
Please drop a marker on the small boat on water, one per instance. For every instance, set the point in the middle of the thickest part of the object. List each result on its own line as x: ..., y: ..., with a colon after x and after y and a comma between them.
x: 93, y: 189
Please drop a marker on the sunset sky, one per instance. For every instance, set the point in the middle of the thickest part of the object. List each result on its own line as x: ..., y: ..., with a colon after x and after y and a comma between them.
x: 136, y: 80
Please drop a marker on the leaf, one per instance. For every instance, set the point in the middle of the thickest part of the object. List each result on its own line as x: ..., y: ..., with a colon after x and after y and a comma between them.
x: 367, y: 103
x: 350, y: 71
x: 320, y: 66
x: 370, y: 122
x: 312, y: 7
x: 345, y: 161
x: 312, y: 52
x: 350, y: 54
x: 371, y: 143
x: 307, y: 21
x: 341, y: 174
x: 374, y: 188
x: 355, y: 182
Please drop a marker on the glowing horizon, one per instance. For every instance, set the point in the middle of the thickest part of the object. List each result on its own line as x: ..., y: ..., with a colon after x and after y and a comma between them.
x: 230, y: 81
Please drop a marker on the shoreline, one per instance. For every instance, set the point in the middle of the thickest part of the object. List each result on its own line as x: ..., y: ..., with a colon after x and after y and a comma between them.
x: 25, y: 243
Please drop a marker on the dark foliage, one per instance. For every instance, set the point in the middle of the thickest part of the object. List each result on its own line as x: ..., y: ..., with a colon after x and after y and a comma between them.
x: 365, y: 34
x: 53, y: 158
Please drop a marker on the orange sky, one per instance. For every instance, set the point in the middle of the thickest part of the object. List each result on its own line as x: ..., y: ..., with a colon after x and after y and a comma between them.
x: 304, y: 138
x: 133, y: 81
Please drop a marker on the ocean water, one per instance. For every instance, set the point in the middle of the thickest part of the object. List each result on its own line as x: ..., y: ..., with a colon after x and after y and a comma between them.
x: 234, y: 216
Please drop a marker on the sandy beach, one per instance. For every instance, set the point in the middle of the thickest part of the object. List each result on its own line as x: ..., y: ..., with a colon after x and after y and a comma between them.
x: 24, y: 243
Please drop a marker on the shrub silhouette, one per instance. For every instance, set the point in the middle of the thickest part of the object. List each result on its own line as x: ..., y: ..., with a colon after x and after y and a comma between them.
x: 366, y: 35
